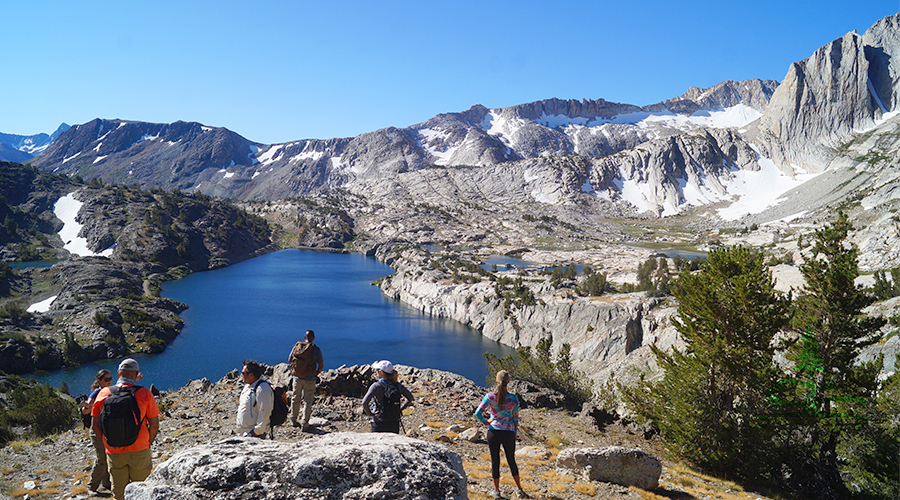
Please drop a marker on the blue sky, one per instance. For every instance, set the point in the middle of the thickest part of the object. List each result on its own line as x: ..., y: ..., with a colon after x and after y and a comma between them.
x: 277, y: 71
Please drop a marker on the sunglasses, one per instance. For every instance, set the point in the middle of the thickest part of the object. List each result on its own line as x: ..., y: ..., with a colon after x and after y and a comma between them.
x: 245, y: 373
x: 106, y: 379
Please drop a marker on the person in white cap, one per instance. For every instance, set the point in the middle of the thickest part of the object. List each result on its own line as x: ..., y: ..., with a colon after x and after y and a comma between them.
x: 127, y: 446
x: 382, y: 401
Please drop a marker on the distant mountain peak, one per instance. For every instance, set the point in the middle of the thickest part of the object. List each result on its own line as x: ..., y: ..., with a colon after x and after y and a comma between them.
x: 20, y: 148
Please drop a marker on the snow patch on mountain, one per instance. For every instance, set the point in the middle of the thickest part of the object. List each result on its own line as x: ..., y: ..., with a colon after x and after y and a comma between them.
x: 66, y: 159
x: 430, y: 138
x: 66, y: 209
x: 561, y: 121
x: 636, y: 193
x: 499, y: 124
x: 270, y: 155
x: 757, y: 190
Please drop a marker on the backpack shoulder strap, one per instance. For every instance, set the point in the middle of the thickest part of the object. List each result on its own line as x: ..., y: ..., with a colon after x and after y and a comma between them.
x: 256, y: 386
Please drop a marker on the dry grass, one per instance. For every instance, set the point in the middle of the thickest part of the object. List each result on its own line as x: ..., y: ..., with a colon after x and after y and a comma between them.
x: 586, y: 489
x: 37, y: 492
x: 552, y: 476
x: 558, y: 488
x: 648, y: 495
x: 474, y: 495
x: 476, y: 466
x: 79, y: 490
x: 700, y: 485
x: 530, y: 487
x: 556, y: 441
x: 479, y: 474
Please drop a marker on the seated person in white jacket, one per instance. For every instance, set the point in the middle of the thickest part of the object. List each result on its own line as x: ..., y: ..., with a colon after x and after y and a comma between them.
x: 256, y: 403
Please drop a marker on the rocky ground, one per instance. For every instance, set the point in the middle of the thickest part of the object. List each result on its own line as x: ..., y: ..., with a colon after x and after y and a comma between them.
x: 204, y: 412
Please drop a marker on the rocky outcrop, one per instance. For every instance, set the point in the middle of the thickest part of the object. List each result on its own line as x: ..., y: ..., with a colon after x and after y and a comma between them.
x: 821, y: 101
x: 614, y: 464
x: 169, y: 229
x: 882, y: 46
x: 701, y: 162
x: 752, y: 93
x: 318, y: 224
x: 335, y: 466
x: 27, y: 197
x: 95, y: 279
x: 607, y: 335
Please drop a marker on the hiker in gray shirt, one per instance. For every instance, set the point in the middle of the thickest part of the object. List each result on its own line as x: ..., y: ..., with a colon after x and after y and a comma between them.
x: 382, y: 401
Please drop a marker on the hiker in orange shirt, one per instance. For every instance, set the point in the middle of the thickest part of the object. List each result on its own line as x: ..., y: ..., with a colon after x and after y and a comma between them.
x: 127, y: 418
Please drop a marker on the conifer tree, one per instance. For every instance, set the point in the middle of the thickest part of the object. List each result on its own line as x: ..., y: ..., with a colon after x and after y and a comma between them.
x: 709, y: 402
x: 833, y: 397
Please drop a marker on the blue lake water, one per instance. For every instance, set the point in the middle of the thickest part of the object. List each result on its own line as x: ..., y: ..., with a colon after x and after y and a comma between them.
x: 258, y: 308
x: 503, y: 262
x: 24, y: 265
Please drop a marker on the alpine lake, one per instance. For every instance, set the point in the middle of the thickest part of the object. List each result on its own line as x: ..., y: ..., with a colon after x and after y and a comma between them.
x: 258, y: 309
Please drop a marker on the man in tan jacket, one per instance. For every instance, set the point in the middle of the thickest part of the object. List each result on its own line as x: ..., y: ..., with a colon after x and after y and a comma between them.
x: 306, y: 363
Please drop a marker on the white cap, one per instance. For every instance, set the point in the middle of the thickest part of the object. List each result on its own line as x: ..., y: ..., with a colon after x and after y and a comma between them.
x: 129, y: 364
x: 383, y: 365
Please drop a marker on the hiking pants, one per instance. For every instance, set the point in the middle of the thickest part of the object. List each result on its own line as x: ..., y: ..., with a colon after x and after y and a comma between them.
x: 100, y: 472
x: 304, y: 390
x: 496, y: 438
x: 128, y: 467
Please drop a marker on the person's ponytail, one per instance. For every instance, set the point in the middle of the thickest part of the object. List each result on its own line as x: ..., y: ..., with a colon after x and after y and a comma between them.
x: 501, y: 390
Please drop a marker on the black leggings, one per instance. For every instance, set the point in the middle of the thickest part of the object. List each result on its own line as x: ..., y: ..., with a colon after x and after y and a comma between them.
x: 508, y: 439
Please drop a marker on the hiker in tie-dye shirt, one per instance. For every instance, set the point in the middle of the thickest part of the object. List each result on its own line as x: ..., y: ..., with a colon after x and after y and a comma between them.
x: 499, y: 410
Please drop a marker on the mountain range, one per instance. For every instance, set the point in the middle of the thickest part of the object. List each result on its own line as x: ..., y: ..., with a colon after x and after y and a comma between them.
x: 754, y: 150
x: 19, y: 148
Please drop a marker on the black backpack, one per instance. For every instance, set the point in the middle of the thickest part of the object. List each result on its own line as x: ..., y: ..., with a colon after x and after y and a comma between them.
x: 390, y: 409
x: 120, y: 417
x: 280, y: 407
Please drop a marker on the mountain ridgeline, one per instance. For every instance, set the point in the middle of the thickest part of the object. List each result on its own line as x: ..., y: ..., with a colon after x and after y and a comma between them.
x: 218, y: 162
x: 660, y: 159
x: 19, y: 148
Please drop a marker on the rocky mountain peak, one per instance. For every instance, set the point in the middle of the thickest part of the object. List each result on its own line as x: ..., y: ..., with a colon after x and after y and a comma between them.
x: 179, y: 155
x: 882, y: 40
x: 753, y: 93
x: 820, y: 102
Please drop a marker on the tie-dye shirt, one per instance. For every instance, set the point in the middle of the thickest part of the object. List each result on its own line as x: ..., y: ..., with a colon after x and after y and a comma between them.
x: 501, y: 419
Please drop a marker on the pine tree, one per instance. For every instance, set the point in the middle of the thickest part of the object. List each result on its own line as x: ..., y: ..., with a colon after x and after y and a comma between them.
x: 710, y: 403
x: 833, y: 396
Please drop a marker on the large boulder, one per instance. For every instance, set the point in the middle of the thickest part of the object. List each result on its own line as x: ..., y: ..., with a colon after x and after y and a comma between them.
x: 335, y: 466
x: 535, y: 396
x: 613, y: 464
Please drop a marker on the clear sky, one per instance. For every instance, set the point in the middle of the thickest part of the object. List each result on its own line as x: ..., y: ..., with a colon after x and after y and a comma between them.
x: 277, y: 71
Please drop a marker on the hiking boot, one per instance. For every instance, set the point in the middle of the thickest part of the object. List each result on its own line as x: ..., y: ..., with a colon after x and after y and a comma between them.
x: 295, y: 423
x: 497, y: 495
x: 522, y: 494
